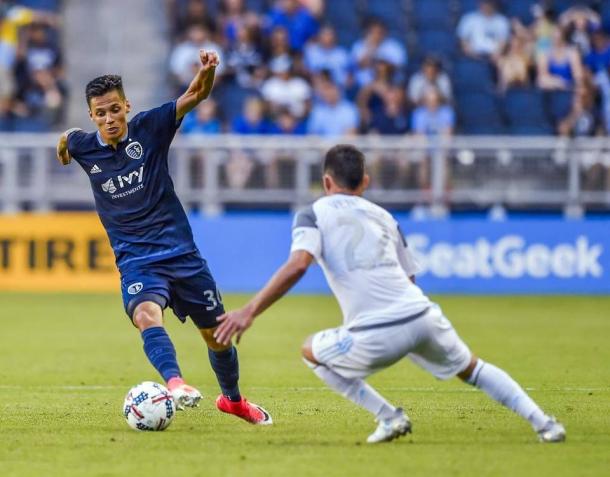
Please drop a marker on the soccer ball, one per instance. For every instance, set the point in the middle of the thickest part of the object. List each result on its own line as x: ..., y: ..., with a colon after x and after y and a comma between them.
x: 149, y: 407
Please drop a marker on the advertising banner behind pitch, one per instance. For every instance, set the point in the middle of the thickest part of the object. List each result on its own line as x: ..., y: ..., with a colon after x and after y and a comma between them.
x: 55, y: 252
x: 70, y: 252
x: 458, y: 256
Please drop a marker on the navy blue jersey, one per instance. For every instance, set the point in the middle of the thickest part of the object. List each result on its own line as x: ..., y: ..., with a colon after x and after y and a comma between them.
x: 134, y: 193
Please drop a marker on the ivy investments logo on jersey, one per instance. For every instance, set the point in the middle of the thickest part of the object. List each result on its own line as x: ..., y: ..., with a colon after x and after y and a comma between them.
x: 134, y: 178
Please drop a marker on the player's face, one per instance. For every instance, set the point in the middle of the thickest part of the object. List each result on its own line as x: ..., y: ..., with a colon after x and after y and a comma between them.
x: 109, y: 113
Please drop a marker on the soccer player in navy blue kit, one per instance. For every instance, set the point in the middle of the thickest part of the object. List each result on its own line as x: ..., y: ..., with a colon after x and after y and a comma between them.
x: 160, y: 265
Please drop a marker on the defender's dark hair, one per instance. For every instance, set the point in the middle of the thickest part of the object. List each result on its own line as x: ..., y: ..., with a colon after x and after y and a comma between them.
x: 345, y: 164
x: 102, y: 85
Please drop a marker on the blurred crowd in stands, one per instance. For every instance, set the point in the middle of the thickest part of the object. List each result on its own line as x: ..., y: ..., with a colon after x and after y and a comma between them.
x: 32, y: 88
x: 338, y: 67
x: 422, y: 67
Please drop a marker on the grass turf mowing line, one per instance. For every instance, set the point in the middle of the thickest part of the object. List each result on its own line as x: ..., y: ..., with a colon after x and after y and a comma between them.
x: 71, y: 358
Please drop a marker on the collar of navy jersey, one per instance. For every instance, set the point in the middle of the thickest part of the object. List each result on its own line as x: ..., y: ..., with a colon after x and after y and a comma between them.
x: 103, y: 144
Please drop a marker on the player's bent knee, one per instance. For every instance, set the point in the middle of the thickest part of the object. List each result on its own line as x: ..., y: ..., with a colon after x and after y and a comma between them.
x: 210, y: 341
x: 467, y: 373
x: 147, y: 315
x: 307, y: 352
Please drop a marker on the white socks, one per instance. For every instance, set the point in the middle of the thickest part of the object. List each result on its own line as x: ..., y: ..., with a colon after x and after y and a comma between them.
x: 501, y: 387
x: 357, y: 391
x: 487, y: 377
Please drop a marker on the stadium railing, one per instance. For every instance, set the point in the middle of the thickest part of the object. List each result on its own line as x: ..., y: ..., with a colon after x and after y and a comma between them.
x: 215, y: 172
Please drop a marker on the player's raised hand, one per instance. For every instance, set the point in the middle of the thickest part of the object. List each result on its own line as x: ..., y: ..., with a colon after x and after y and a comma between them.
x: 232, y: 323
x: 63, y: 156
x: 209, y: 59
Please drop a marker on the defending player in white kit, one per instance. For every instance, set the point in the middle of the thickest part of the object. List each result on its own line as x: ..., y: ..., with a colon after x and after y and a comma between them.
x: 386, y: 317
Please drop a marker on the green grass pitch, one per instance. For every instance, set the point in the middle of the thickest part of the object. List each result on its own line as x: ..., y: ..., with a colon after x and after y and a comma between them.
x: 66, y: 362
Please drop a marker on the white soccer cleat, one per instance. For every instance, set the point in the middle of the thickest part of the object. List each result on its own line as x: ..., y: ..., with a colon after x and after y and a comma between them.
x: 390, y: 429
x: 185, y: 396
x: 553, y: 431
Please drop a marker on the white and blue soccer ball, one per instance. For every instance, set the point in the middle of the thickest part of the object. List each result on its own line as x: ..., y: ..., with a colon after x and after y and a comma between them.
x: 149, y: 406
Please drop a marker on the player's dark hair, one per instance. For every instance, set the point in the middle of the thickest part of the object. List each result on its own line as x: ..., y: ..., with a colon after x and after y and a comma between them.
x: 102, y: 85
x: 345, y: 164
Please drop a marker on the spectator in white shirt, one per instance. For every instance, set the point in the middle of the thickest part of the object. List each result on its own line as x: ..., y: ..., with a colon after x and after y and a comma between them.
x: 376, y: 45
x: 483, y: 33
x: 431, y: 75
x: 186, y: 55
x: 284, y: 90
x: 332, y: 115
x: 324, y: 54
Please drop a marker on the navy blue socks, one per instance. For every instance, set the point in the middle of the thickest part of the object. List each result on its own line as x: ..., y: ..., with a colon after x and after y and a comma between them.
x: 161, y: 352
x: 226, y: 366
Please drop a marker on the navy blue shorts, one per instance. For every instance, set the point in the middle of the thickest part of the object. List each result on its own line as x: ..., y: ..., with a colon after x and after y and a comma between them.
x: 183, y: 283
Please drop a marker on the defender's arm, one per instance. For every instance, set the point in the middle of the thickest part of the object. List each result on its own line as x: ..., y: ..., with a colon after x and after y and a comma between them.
x: 238, y: 321
x: 201, y: 86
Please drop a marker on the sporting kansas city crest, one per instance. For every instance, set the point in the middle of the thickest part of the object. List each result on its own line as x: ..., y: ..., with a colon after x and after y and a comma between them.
x: 134, y: 150
x: 135, y: 288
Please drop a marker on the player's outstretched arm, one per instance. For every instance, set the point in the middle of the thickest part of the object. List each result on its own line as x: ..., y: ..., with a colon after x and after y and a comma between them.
x: 63, y: 155
x: 238, y: 321
x: 201, y: 86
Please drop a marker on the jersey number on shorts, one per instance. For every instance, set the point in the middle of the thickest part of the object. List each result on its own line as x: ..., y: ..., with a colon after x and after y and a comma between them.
x: 376, y: 257
x: 213, y: 297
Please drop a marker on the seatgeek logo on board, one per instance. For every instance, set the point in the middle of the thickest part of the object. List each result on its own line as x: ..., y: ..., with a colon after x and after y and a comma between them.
x: 510, y: 256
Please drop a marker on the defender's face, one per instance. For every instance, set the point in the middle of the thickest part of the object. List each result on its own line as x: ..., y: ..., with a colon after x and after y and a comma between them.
x: 109, y: 113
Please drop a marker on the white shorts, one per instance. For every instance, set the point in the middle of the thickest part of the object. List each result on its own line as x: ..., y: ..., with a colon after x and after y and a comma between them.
x: 430, y: 341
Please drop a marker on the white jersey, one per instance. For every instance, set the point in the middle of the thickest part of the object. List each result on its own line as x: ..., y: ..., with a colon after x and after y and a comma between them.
x: 364, y: 257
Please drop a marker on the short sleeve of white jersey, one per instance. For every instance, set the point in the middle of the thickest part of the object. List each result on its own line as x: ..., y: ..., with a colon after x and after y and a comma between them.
x: 305, y: 233
x: 407, y: 260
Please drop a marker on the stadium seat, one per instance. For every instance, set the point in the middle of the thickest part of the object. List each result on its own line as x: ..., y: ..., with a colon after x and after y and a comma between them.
x: 467, y: 6
x: 260, y: 6
x: 524, y: 109
x: 479, y: 113
x: 442, y: 43
x: 6, y: 124
x: 483, y: 129
x: 345, y: 17
x: 473, y: 75
x: 347, y: 36
x: 391, y: 12
x: 433, y: 14
x: 30, y: 125
x: 605, y: 14
x: 232, y: 97
x: 559, y: 104
x: 521, y: 9
x: 49, y: 5
x: 561, y: 6
x: 531, y: 130
x: 478, y: 109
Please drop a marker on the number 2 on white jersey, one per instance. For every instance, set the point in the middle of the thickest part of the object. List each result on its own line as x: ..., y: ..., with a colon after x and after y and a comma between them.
x: 355, y: 258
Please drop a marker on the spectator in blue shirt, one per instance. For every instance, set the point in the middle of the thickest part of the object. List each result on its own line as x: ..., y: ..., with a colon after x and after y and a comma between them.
x: 432, y: 121
x: 202, y: 120
x: 393, y: 118
x: 376, y: 45
x: 598, y: 58
x: 332, y: 115
x: 241, y: 164
x: 433, y: 118
x: 286, y: 124
x: 324, y: 54
x: 253, y: 120
x: 301, y: 24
